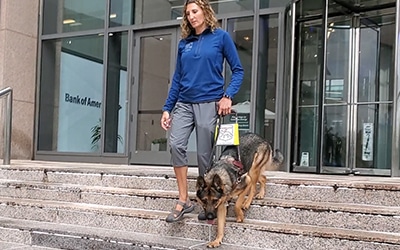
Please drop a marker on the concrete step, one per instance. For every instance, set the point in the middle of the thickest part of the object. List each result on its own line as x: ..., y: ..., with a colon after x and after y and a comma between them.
x: 93, y: 175
x: 251, y: 233
x: 339, y: 189
x: 341, y: 215
x: 15, y: 246
x: 34, y: 234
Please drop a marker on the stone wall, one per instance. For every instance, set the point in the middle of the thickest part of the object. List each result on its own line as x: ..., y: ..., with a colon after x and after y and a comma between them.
x: 18, y: 62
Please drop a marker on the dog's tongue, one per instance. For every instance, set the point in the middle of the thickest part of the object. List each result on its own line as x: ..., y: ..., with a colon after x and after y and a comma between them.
x: 210, y: 222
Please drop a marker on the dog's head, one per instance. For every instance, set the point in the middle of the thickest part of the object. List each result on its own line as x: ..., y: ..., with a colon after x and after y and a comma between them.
x: 210, y: 195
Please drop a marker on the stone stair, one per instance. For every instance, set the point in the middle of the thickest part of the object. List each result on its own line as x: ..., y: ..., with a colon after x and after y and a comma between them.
x: 54, y: 205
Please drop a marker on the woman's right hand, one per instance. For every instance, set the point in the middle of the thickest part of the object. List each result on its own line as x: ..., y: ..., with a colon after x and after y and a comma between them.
x: 165, y: 120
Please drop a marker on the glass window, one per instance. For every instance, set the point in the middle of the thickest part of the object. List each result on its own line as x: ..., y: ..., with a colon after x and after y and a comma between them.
x: 73, y: 15
x: 308, y: 8
x: 334, y: 152
x: 121, y: 12
x: 309, y: 62
x: 241, y: 31
x: 116, y: 93
x: 157, y: 10
x: 273, y: 3
x: 337, y: 64
x: 308, y: 82
x: 267, y: 76
x: 307, y: 137
x: 71, y: 93
x: 223, y: 6
x: 374, y: 136
x: 376, y: 59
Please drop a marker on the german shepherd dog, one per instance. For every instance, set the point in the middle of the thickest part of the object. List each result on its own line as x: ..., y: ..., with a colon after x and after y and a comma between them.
x: 229, y: 178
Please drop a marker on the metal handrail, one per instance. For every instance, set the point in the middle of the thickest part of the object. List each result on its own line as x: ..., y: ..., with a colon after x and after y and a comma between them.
x: 8, y: 92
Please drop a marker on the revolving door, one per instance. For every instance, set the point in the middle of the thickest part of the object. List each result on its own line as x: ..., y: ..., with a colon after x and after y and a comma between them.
x: 344, y: 85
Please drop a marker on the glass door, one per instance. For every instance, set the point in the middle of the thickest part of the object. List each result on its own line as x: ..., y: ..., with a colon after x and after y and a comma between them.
x: 358, y: 116
x: 153, y: 65
x: 344, y: 89
x: 373, y: 94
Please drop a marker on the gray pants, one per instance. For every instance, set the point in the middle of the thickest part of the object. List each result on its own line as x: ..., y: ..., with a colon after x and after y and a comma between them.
x: 185, y: 118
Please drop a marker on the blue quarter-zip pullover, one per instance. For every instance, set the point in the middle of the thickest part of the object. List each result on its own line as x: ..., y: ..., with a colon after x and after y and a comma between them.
x: 198, y: 74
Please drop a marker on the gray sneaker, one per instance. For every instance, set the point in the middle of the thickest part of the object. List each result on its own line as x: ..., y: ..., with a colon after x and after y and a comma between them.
x: 177, y: 215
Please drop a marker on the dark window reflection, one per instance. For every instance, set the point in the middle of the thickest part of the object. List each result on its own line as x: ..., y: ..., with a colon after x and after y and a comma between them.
x: 335, y: 136
x: 121, y: 12
x: 241, y: 31
x: 274, y: 3
x: 267, y: 76
x: 72, y: 15
x: 147, y: 11
x: 307, y: 137
x: 116, y: 93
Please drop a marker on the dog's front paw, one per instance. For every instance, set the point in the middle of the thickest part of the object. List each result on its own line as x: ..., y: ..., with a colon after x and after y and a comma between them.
x: 246, y: 205
x: 214, y: 244
x: 240, y: 218
x: 260, y: 196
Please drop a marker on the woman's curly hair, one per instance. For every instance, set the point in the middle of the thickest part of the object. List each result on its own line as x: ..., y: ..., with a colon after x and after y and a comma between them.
x: 209, y: 16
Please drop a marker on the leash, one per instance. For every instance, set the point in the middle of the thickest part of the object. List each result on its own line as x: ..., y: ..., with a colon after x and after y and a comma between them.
x: 214, y: 149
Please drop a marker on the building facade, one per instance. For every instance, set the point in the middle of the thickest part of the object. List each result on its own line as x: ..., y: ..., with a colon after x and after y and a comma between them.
x: 320, y: 82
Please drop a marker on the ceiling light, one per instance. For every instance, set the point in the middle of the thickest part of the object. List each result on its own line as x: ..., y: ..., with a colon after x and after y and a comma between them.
x: 246, y: 38
x: 113, y: 15
x: 68, y: 21
x: 75, y: 24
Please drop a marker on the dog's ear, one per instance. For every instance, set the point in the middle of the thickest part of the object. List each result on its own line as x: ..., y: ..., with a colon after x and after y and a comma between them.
x: 217, y: 182
x: 201, y: 183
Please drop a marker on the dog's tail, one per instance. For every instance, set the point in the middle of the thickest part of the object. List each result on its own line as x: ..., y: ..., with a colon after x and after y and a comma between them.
x: 277, y: 160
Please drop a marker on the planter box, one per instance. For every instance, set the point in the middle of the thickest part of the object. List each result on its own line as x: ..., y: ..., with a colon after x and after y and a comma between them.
x: 159, y: 147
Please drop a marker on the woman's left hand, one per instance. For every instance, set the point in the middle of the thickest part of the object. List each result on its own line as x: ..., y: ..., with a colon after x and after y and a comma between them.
x: 224, y: 106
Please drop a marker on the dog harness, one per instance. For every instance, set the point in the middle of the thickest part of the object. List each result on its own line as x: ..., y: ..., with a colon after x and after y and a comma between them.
x: 237, y: 163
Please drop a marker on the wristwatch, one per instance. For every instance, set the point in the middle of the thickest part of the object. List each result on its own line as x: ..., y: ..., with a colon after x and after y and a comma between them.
x: 227, y: 96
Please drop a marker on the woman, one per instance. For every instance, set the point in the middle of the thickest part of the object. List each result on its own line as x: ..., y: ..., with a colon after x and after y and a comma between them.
x: 197, y: 95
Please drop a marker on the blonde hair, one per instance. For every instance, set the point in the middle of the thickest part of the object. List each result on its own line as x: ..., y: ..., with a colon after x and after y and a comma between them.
x: 209, y: 16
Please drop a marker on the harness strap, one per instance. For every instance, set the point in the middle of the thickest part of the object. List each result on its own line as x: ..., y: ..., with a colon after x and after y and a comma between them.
x: 238, y: 162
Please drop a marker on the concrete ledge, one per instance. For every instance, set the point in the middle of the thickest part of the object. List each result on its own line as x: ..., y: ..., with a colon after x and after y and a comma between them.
x: 341, y: 215
x: 148, y: 221
x: 15, y: 246
x: 79, y: 237
x: 63, y: 192
x: 277, y: 177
